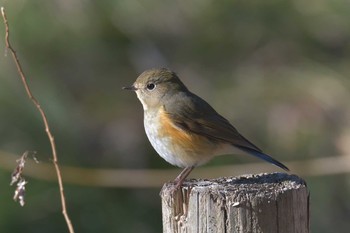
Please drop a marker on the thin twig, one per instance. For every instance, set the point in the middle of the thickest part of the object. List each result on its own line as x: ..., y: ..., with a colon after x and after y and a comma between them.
x: 43, y: 115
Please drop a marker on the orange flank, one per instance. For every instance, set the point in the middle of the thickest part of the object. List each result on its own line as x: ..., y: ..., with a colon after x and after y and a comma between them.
x: 186, y: 145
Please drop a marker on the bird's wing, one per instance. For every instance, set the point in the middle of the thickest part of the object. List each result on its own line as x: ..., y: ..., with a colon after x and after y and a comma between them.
x: 193, y: 115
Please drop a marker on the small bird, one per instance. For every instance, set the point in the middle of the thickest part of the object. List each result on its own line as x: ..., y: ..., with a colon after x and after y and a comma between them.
x: 183, y: 128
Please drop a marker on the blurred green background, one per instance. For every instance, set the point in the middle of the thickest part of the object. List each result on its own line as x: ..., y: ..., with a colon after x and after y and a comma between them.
x: 278, y: 70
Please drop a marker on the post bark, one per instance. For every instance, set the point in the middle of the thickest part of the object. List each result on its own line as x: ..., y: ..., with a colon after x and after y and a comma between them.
x: 264, y: 203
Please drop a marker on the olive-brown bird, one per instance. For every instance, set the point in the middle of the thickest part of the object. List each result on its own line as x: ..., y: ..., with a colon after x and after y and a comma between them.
x: 183, y: 128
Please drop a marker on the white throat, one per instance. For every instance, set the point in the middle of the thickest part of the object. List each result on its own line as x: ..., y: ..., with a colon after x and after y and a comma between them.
x: 144, y: 105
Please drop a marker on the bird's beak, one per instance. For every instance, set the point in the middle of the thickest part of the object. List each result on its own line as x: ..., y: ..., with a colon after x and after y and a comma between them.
x: 131, y: 88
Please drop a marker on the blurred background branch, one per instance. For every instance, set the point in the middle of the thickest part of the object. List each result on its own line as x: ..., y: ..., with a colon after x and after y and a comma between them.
x: 155, y: 178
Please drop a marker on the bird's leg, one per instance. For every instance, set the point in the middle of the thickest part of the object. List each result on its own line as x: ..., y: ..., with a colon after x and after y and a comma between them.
x: 182, y: 176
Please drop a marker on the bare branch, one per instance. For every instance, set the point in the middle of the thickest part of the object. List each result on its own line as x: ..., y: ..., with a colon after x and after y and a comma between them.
x: 44, y: 118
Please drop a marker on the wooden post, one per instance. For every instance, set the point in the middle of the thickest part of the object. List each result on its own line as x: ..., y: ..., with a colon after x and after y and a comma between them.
x: 267, y: 203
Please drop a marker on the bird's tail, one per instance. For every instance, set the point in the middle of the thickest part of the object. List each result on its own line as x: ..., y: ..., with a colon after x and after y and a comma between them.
x: 263, y: 156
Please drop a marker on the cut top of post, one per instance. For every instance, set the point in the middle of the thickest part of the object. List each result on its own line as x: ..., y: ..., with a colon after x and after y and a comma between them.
x: 276, y: 202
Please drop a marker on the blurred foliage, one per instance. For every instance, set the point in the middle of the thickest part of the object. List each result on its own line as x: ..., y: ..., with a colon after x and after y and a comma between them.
x: 278, y: 70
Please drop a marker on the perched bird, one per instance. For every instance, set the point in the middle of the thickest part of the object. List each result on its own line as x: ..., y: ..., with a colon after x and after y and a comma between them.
x: 183, y: 128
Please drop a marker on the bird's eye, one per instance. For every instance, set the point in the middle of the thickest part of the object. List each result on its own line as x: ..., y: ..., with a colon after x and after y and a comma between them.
x: 151, y: 86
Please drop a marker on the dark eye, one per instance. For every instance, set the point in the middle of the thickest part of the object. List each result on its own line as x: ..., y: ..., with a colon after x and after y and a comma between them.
x: 151, y: 86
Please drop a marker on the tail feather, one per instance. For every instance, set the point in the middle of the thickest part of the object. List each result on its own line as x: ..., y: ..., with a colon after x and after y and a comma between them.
x: 263, y: 156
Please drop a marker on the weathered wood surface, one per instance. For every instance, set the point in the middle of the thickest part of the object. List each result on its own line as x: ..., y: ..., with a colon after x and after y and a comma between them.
x: 267, y: 203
